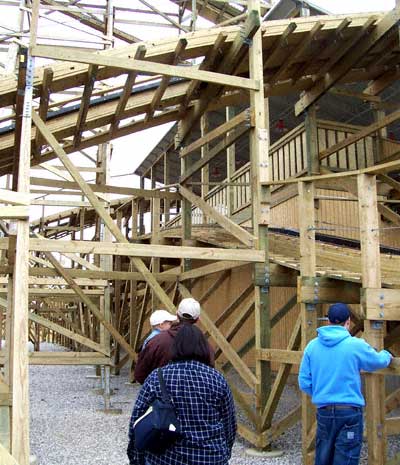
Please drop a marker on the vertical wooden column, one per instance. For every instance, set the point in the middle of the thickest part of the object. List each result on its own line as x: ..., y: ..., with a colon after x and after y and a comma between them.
x: 155, y: 233
x: 260, y: 172
x: 186, y: 214
x: 308, y: 311
x: 205, y: 171
x: 133, y: 311
x: 230, y: 165
x: 381, y: 133
x: 141, y: 208
x: 374, y: 331
x: 313, y: 164
x: 167, y: 177
x: 19, y: 296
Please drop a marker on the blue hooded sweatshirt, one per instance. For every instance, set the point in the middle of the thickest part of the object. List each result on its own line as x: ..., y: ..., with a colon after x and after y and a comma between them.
x: 331, y: 365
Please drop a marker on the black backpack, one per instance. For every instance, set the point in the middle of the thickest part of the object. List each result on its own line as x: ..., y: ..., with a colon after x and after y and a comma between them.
x: 159, y: 427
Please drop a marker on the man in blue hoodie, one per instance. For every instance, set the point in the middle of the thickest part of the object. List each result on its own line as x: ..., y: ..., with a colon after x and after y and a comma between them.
x: 330, y: 374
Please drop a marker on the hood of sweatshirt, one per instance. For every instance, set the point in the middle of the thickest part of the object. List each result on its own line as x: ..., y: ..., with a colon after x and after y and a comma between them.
x: 332, y: 335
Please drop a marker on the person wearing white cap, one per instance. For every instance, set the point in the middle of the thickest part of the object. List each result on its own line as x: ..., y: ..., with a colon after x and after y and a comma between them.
x: 160, y: 320
x: 157, y: 352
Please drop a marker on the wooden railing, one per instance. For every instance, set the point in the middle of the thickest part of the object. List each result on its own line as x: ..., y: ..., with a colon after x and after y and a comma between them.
x: 288, y: 158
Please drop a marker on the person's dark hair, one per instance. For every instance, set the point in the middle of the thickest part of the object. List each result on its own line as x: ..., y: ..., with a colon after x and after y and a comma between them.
x: 190, y: 344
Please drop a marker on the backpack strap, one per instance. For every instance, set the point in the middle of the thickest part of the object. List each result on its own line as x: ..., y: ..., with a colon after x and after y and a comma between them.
x: 165, y: 395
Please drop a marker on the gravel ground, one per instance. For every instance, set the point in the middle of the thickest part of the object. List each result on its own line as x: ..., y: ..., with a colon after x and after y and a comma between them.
x: 68, y: 426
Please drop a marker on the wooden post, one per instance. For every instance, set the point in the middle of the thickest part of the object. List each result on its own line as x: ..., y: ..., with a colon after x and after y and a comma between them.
x: 167, y: 176
x: 230, y: 165
x: 259, y: 157
x: 374, y: 331
x: 308, y: 311
x: 155, y: 232
x: 205, y: 171
x: 313, y: 165
x: 186, y: 215
x: 19, y: 372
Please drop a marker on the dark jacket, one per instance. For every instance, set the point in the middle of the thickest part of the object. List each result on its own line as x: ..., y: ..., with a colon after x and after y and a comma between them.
x: 157, y: 353
x: 204, y: 405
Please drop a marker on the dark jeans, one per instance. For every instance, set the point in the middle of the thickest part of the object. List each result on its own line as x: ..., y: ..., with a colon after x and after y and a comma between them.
x: 339, y: 436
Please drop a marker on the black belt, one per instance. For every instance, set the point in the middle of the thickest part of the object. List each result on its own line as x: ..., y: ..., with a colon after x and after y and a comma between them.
x: 340, y: 407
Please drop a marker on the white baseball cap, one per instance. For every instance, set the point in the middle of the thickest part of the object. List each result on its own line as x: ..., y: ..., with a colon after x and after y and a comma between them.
x: 189, y: 309
x: 159, y: 316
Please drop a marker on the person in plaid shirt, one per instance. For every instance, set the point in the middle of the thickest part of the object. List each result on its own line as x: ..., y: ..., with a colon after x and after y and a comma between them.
x: 203, y: 403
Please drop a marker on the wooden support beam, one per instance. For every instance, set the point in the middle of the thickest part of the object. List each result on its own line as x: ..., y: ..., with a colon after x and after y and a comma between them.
x: 381, y: 123
x: 64, y: 358
x: 223, y: 145
x: 43, y: 107
x: 207, y: 64
x: 85, y: 103
x: 127, y: 90
x: 245, y: 373
x: 144, y: 67
x: 243, y: 117
x: 66, y: 332
x: 236, y: 53
x: 165, y: 80
x: 354, y: 54
x: 205, y: 270
x: 101, y: 211
x: 373, y: 330
x: 237, y: 231
x: 308, y: 311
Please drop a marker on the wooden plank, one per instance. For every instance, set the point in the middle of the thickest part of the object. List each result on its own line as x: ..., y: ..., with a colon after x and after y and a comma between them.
x: 145, y: 67
x: 292, y: 357
x: 373, y: 331
x: 143, y: 250
x: 6, y: 458
x: 237, y: 231
x: 245, y: 373
x: 381, y: 304
x: 381, y: 123
x: 243, y: 117
x: 64, y: 358
x: 127, y: 90
x: 107, y: 189
x: 13, y: 197
x: 224, y: 144
x: 352, y: 57
x: 66, y: 332
x: 14, y: 213
x: 92, y: 307
x: 209, y: 269
x: 101, y: 211
x: 84, y: 106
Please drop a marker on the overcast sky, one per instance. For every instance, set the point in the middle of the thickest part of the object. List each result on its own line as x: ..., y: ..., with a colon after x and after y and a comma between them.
x: 354, y: 6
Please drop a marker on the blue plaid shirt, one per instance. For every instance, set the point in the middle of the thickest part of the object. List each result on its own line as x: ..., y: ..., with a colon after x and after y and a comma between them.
x: 205, y: 408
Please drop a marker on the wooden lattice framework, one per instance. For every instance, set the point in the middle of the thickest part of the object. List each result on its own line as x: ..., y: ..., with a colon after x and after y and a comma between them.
x: 242, y: 65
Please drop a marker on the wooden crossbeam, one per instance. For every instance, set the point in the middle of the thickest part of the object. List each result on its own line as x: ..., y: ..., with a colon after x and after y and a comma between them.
x: 100, y: 210
x: 237, y: 231
x: 207, y: 64
x: 379, y: 84
x: 381, y: 123
x: 209, y: 269
x: 244, y: 371
x: 162, y: 87
x: 66, y: 332
x: 85, y: 103
x: 224, y: 144
x: 243, y: 117
x: 43, y: 107
x: 236, y: 53
x: 281, y: 377
x: 13, y: 197
x: 93, y: 22
x: 107, y: 189
x: 280, y: 43
x: 64, y: 358
x: 353, y: 56
x: 142, y: 250
x: 293, y: 55
x: 144, y: 67
x: 127, y: 90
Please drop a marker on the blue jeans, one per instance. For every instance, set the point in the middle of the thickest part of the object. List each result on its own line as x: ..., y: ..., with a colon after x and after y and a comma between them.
x: 339, y: 436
